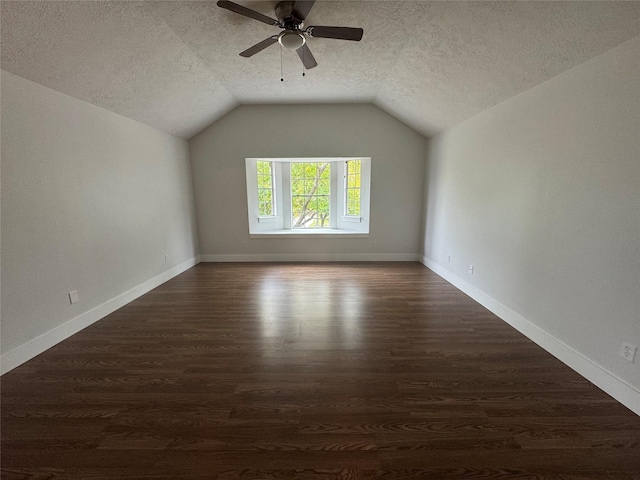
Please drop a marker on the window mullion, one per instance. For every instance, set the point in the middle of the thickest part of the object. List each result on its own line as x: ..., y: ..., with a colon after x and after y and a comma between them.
x: 286, y: 195
x: 335, y: 194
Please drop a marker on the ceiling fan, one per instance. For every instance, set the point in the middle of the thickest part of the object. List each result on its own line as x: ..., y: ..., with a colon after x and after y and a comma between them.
x: 290, y: 18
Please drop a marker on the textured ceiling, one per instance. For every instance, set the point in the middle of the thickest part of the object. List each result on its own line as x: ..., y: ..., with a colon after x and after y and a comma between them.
x: 175, y: 66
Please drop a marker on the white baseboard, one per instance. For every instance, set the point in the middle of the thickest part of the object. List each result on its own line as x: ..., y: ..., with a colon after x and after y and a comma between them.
x: 27, y: 351
x: 313, y: 257
x: 596, y: 374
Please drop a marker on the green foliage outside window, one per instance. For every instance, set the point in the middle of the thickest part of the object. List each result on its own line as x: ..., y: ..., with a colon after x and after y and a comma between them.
x: 265, y: 189
x: 352, y: 190
x: 310, y: 194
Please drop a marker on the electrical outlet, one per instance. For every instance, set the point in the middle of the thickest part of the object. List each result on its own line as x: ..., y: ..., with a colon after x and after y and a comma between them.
x: 166, y: 258
x: 470, y: 269
x: 628, y: 351
x: 74, y: 297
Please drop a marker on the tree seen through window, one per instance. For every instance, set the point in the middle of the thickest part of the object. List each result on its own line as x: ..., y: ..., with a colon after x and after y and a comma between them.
x: 310, y: 194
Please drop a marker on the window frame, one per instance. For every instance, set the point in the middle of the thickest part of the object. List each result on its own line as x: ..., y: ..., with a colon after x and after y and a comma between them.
x: 340, y: 225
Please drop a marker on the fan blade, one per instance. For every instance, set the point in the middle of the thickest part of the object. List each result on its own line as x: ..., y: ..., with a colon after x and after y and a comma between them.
x: 301, y: 8
x: 258, y: 47
x: 247, y: 12
x: 341, y: 33
x: 307, y: 57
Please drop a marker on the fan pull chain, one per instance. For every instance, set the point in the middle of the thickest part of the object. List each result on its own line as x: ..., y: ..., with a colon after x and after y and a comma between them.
x: 281, y: 75
x: 304, y: 52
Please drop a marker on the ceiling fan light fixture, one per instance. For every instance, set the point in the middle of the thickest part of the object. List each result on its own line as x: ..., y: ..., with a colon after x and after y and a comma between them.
x: 291, y: 40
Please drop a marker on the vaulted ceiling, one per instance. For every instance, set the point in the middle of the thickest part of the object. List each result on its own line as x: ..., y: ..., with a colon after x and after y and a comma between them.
x: 174, y: 65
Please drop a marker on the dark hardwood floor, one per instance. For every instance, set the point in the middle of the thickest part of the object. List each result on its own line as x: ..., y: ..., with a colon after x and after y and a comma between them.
x: 308, y: 371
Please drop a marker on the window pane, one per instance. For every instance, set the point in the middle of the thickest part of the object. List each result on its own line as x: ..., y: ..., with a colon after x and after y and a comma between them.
x: 267, y: 209
x: 310, y: 193
x: 265, y: 188
x: 297, y: 206
x: 264, y: 196
x: 264, y: 181
x: 352, y: 193
x: 323, y: 211
x: 309, y: 186
x: 324, y: 186
x: 295, y: 170
x: 263, y: 168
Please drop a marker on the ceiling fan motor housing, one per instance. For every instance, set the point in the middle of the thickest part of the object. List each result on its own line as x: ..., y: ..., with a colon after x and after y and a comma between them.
x: 284, y: 13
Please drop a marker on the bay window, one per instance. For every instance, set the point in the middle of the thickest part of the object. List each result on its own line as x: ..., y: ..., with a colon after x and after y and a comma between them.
x: 308, y: 196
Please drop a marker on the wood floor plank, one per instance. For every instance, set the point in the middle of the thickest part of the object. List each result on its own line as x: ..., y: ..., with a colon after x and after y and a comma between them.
x: 308, y: 371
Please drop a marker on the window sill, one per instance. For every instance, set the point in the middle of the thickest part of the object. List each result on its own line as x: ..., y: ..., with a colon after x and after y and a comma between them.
x: 319, y: 233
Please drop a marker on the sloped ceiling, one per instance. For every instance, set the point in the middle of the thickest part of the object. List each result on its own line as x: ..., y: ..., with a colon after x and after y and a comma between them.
x: 175, y: 66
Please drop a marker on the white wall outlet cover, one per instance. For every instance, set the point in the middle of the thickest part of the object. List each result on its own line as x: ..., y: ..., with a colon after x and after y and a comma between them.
x: 628, y: 351
x: 74, y: 297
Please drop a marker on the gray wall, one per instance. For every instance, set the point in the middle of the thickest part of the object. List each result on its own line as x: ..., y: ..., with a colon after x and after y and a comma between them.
x: 397, y: 178
x: 542, y: 195
x: 91, y: 201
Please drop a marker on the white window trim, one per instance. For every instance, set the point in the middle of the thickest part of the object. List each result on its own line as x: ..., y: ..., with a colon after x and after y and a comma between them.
x: 341, y: 225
